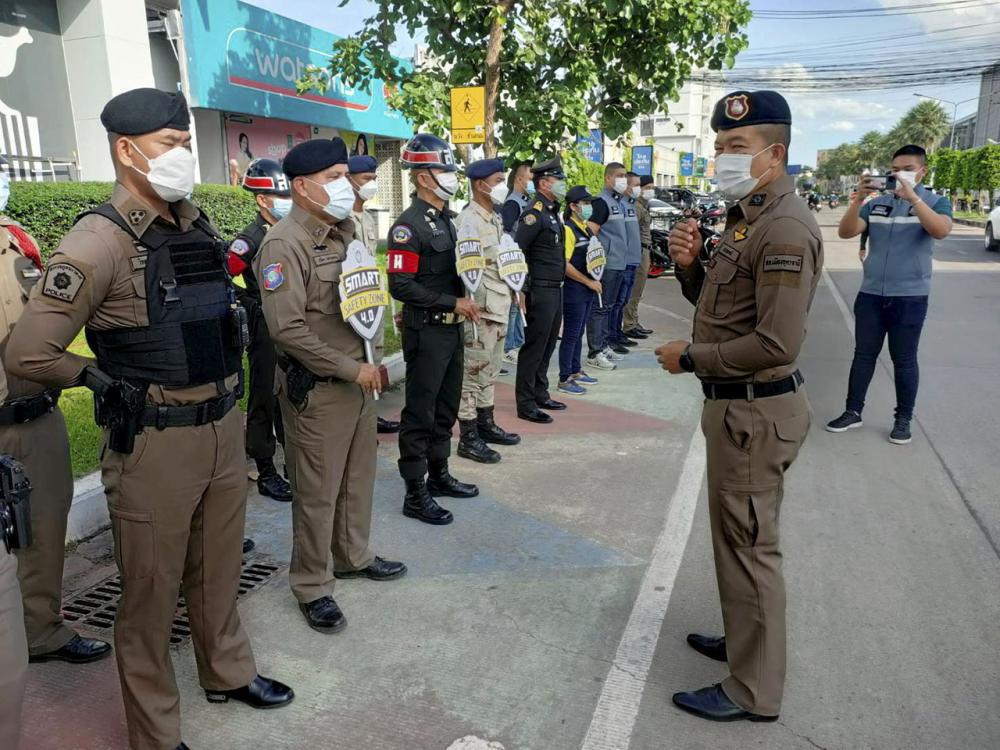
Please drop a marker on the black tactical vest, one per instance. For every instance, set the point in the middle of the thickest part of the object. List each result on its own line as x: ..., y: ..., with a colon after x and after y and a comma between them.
x: 193, y: 335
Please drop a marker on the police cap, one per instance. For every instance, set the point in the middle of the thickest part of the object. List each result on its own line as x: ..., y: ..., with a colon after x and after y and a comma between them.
x: 742, y: 108
x: 141, y: 111
x: 550, y: 168
x: 578, y: 193
x: 310, y: 157
x: 361, y: 164
x: 646, y: 179
x: 480, y: 170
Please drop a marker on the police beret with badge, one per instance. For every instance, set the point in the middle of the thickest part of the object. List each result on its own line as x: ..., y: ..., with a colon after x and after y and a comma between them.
x: 310, y: 157
x: 141, y: 111
x: 550, y: 168
x: 361, y: 164
x: 578, y: 193
x: 480, y: 170
x: 744, y: 108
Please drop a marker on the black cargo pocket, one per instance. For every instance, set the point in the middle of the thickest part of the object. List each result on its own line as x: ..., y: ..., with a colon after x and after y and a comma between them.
x: 719, y: 292
x: 135, y: 542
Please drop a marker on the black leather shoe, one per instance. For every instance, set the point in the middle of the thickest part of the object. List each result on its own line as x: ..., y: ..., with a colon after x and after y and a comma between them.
x: 271, y: 484
x: 262, y: 692
x: 386, y: 426
x: 248, y: 545
x: 419, y: 504
x: 647, y: 331
x: 713, y: 704
x: 78, y: 650
x: 323, y: 615
x: 441, y: 482
x: 379, y: 570
x: 535, y: 415
x: 635, y: 333
x: 628, y: 342
x: 491, y: 432
x: 551, y: 405
x: 473, y: 447
x: 618, y: 348
x: 708, y: 645
x: 182, y: 746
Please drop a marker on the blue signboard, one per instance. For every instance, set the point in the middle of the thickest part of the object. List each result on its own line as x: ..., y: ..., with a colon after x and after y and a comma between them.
x: 245, y: 59
x: 794, y: 169
x: 642, y: 160
x: 700, y: 166
x: 592, y: 146
x: 687, y: 164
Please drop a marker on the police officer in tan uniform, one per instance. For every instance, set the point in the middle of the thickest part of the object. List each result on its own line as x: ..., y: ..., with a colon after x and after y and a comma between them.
x: 145, y: 274
x: 484, y: 342
x: 324, y: 385
x: 749, y: 325
x: 32, y: 428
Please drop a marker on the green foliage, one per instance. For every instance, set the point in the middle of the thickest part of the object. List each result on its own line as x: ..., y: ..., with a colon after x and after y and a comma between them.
x: 48, y: 209
x: 582, y: 171
x: 560, y: 63
x: 925, y: 124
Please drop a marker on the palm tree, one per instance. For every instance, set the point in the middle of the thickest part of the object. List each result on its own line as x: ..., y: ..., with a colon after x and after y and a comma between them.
x: 926, y: 124
x: 872, y: 146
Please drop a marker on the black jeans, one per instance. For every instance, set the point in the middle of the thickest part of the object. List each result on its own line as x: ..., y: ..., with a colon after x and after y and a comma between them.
x: 544, y: 316
x: 902, y: 320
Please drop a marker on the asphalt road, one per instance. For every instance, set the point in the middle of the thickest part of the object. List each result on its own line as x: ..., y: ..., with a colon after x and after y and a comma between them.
x: 552, y: 614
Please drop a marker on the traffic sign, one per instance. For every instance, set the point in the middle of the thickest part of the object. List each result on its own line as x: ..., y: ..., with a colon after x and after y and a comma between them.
x: 468, y: 114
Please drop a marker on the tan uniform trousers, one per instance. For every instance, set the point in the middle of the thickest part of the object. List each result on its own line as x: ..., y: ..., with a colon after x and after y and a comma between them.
x: 13, y: 653
x: 631, y: 315
x: 482, y: 364
x: 42, y: 446
x: 178, y: 506
x: 750, y: 444
x: 330, y: 451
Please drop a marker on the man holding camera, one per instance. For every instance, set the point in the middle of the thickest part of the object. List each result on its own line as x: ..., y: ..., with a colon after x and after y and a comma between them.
x: 902, y: 224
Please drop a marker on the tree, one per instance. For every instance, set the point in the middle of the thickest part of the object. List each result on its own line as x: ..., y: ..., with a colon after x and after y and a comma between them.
x: 872, y: 148
x: 547, y: 66
x: 925, y: 124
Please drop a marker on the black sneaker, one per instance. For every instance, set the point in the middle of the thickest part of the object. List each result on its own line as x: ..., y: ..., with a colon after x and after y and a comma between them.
x: 849, y: 420
x: 900, y: 434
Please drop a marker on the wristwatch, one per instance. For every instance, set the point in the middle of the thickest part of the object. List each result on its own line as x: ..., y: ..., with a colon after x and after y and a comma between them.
x: 687, y: 364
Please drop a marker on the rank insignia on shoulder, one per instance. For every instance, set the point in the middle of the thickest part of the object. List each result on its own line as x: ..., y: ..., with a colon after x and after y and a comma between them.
x: 136, y: 216
x: 740, y: 233
x: 530, y: 219
x: 63, y: 282
x: 273, y: 277
x: 757, y: 199
x: 402, y: 233
x: 538, y: 206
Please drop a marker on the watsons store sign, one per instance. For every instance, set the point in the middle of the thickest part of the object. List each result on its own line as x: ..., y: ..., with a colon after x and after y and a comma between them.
x: 245, y: 59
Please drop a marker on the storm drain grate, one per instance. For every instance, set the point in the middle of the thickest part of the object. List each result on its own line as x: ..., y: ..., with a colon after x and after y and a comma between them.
x: 96, y: 607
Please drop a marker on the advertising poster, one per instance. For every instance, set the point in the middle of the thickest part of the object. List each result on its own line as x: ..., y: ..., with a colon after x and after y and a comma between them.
x: 249, y: 138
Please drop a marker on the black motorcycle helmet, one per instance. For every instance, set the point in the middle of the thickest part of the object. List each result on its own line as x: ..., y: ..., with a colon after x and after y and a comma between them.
x: 426, y: 151
x: 265, y: 177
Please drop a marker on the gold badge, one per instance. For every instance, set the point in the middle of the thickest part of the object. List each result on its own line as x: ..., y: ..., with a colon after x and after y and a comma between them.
x: 740, y: 233
x: 737, y: 107
x: 530, y: 219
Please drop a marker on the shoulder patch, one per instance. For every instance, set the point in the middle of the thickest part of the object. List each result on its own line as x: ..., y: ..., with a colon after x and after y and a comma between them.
x: 63, y: 282
x: 239, y: 246
x: 529, y: 219
x: 402, y: 233
x: 787, y: 263
x: 757, y: 199
x: 272, y: 277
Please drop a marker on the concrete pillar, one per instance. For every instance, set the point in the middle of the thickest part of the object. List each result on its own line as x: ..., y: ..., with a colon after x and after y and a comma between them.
x: 107, y: 52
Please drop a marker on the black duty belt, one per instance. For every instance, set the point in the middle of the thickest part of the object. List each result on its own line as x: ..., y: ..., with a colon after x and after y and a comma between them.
x: 751, y: 391
x: 193, y: 415
x: 546, y: 284
x: 28, y: 408
x: 284, y: 364
x: 434, y: 318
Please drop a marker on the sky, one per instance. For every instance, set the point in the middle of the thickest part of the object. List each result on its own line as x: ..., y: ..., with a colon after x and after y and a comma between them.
x: 819, y: 121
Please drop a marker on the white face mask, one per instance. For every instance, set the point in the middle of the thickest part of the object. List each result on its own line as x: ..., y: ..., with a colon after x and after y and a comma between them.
x: 636, y: 191
x: 621, y: 185
x: 368, y: 191
x: 171, y: 175
x: 340, y: 198
x: 649, y: 194
x: 498, y: 193
x: 732, y: 172
x: 280, y: 207
x: 447, y: 185
x: 908, y: 177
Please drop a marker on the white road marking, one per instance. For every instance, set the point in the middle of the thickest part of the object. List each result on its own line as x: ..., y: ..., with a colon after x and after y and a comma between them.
x: 471, y: 742
x: 618, y: 705
x: 839, y: 299
x: 665, y: 311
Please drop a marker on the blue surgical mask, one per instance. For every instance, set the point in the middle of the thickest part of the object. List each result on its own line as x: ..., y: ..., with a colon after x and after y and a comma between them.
x: 530, y: 189
x: 586, y: 211
x: 4, y: 190
x: 559, y: 189
x: 280, y: 207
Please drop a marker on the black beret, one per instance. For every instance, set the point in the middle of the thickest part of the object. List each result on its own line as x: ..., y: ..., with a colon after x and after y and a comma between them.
x: 646, y: 179
x: 550, y: 168
x: 578, y: 193
x: 742, y: 108
x: 361, y: 164
x: 480, y: 170
x: 310, y: 157
x: 142, y: 111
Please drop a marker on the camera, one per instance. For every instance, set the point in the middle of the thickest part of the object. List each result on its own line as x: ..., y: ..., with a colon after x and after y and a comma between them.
x: 881, y: 182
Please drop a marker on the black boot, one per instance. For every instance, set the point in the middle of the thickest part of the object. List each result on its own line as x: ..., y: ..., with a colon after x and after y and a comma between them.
x: 491, y: 432
x: 441, y: 482
x: 270, y: 483
x: 472, y: 447
x: 419, y: 504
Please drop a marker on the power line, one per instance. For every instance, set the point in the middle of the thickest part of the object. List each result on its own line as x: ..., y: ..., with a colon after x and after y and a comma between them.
x: 871, y: 12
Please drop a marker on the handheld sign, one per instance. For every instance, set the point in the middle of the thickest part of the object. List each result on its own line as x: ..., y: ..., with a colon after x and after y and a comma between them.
x: 596, y: 260
x: 470, y: 262
x: 363, y: 297
x: 512, y: 266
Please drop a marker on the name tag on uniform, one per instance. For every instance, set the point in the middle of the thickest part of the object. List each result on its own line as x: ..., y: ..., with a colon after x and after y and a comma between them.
x: 789, y: 263
x: 615, y: 210
x: 630, y: 212
x: 323, y: 260
x: 881, y: 210
x: 729, y: 253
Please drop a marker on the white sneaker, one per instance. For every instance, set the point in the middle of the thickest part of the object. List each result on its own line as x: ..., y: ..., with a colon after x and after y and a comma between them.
x: 601, y: 362
x: 511, y: 356
x: 613, y: 356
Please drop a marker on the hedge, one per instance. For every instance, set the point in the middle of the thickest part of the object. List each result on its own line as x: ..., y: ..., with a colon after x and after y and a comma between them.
x: 48, y: 209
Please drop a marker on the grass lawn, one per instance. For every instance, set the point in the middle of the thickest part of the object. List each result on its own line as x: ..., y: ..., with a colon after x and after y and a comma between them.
x: 970, y: 215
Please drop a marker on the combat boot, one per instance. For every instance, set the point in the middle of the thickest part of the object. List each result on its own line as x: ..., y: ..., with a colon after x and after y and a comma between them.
x: 441, y: 482
x: 491, y: 432
x: 419, y: 504
x: 472, y: 446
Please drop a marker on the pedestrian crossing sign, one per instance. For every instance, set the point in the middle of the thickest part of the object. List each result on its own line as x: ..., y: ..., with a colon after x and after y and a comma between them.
x: 468, y: 114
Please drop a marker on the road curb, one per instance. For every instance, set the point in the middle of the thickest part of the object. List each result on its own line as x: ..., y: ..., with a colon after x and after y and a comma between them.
x: 89, y: 512
x: 981, y: 224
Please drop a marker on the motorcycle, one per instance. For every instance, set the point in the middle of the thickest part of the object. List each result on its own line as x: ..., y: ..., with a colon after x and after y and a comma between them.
x: 834, y: 202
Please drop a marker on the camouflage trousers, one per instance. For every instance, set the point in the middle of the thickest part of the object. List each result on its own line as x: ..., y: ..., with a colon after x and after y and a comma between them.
x: 482, y: 364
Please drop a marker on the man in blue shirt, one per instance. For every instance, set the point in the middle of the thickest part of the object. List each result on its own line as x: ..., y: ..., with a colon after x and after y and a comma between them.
x: 902, y: 226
